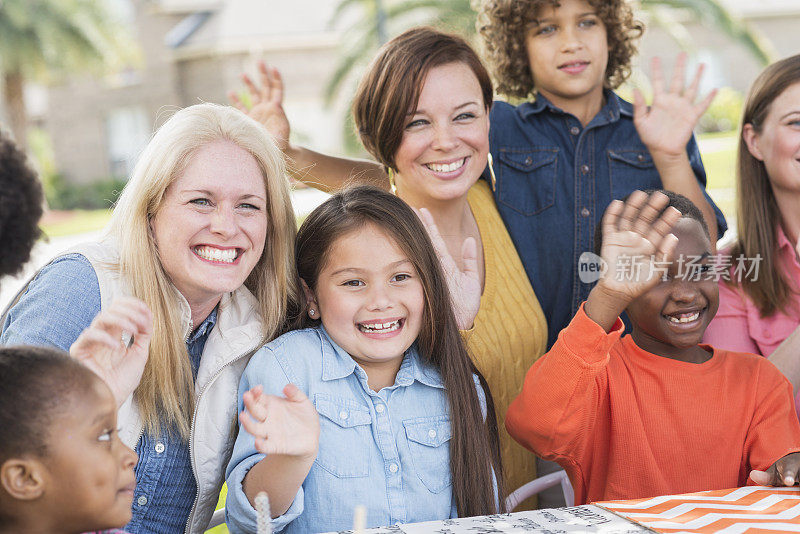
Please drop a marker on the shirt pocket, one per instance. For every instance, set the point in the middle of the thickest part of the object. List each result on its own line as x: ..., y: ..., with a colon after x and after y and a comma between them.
x: 527, y: 179
x: 428, y: 443
x: 631, y: 169
x: 345, y: 436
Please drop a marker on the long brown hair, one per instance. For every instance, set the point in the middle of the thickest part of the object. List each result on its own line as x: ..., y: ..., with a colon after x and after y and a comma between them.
x: 390, y: 90
x: 758, y: 213
x: 474, y: 446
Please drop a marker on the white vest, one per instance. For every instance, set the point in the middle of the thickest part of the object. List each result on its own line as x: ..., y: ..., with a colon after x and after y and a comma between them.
x: 235, y: 337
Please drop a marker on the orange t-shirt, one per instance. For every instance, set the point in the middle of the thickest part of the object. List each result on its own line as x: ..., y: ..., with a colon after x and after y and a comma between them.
x: 626, y: 424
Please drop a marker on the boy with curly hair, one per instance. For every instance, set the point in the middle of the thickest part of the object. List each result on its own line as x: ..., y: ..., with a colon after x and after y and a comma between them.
x: 562, y: 156
x: 20, y: 207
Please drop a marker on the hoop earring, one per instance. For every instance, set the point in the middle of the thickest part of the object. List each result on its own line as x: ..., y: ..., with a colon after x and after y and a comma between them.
x: 392, y: 187
x: 491, y: 171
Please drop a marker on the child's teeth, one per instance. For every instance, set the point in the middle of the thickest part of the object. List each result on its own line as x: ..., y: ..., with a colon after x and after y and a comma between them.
x: 215, y: 254
x: 685, y: 318
x: 381, y: 327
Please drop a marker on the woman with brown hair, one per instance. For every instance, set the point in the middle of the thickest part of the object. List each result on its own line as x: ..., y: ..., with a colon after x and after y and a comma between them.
x: 759, y: 298
x: 422, y: 111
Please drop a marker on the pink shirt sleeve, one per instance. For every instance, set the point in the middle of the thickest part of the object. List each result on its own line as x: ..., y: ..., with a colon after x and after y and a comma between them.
x: 730, y: 329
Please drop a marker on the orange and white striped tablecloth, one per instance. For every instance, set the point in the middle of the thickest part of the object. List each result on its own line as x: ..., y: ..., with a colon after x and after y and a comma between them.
x: 751, y: 510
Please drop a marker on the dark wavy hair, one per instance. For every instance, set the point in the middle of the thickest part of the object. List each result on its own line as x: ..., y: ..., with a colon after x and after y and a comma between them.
x: 503, y: 25
x: 21, y: 202
x: 474, y: 446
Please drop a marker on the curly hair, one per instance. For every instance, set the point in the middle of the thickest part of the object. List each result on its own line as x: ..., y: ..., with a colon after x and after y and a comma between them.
x: 20, y: 207
x: 503, y: 25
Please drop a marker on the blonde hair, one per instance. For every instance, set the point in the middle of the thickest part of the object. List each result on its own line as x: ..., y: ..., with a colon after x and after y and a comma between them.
x: 165, y: 394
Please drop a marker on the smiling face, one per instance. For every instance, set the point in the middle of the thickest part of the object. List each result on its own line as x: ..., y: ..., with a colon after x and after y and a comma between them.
x: 446, y: 140
x: 370, y: 299
x: 670, y: 319
x: 90, y: 477
x: 568, y: 53
x: 778, y: 142
x: 212, y: 223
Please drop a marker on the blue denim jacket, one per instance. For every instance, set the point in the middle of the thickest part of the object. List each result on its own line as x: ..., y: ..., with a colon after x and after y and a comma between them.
x: 386, y: 450
x: 554, y: 181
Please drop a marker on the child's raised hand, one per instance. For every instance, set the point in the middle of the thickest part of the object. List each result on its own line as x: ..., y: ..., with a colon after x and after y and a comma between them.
x: 286, y: 425
x: 784, y: 472
x: 266, y: 103
x: 666, y: 126
x: 116, y: 345
x: 464, y: 285
x: 636, y: 235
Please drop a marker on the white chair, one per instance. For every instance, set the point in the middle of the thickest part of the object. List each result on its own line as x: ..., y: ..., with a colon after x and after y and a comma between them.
x: 217, y: 519
x: 539, y: 484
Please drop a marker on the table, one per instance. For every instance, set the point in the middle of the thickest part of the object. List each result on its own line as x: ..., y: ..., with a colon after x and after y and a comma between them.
x: 733, y: 511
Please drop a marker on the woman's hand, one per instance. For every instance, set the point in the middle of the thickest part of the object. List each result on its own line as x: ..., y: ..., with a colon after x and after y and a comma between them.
x: 464, y: 285
x: 666, y: 126
x: 116, y: 345
x: 286, y: 425
x: 784, y: 472
x: 266, y: 103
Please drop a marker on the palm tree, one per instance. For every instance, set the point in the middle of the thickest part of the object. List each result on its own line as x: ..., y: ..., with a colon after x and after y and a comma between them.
x: 368, y: 32
x: 41, y: 38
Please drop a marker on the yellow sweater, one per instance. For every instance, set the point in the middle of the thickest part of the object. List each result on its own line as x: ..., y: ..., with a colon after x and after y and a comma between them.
x: 510, y: 331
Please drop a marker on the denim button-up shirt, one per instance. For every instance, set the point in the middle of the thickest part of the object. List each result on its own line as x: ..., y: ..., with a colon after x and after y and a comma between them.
x: 554, y: 181
x: 386, y: 450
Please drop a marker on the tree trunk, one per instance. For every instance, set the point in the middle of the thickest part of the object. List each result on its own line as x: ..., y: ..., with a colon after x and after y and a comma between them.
x: 15, y: 106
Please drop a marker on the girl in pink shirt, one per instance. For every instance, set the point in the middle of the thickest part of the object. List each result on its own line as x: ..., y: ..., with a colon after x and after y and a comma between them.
x: 759, y: 307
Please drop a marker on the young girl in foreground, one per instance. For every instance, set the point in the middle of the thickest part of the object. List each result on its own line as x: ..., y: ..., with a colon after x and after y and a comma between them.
x: 377, y: 402
x: 63, y: 468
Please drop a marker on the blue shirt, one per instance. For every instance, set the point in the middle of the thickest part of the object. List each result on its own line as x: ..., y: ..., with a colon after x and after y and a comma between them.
x: 56, y: 307
x: 386, y: 450
x: 554, y: 181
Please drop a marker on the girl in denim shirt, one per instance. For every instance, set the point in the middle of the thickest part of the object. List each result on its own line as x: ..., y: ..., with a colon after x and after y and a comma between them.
x: 376, y: 402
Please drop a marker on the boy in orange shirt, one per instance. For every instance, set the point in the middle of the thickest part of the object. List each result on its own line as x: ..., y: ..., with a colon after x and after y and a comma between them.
x: 655, y: 413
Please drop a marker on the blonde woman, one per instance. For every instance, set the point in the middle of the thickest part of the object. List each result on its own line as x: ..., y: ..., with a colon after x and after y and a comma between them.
x: 203, y: 234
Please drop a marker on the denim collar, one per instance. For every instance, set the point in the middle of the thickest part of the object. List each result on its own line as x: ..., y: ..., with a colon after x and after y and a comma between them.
x: 338, y: 364
x: 610, y: 112
x: 205, y: 327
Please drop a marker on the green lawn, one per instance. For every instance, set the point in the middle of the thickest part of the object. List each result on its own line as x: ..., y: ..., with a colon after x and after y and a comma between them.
x: 719, y: 158
x: 58, y: 224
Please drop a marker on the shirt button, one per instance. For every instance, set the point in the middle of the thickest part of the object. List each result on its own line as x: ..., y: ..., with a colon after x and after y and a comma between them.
x: 640, y: 157
x: 584, y: 169
x: 379, y: 408
x: 343, y: 414
x: 160, y: 447
x: 585, y: 213
x: 528, y: 160
x: 431, y: 433
x: 142, y: 500
x: 574, y: 130
x: 393, y: 468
